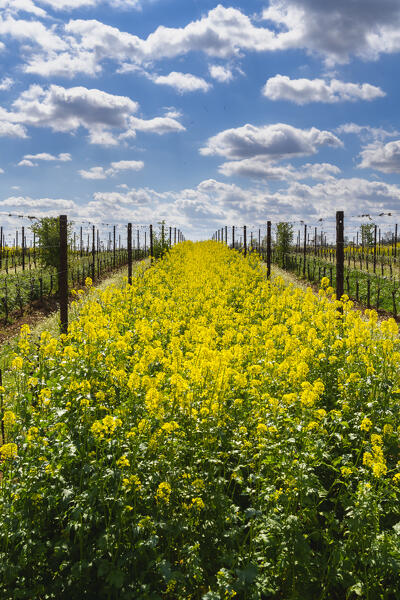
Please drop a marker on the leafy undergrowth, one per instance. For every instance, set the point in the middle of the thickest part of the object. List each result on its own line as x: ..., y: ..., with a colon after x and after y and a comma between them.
x: 204, y: 434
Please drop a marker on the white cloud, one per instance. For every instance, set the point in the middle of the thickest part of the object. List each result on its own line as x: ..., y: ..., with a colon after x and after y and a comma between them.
x: 6, y: 83
x: 220, y: 73
x: 27, y: 163
x: 8, y: 129
x: 62, y: 157
x: 32, y: 31
x: 337, y: 29
x: 67, y: 110
x: 1, y: 171
x: 303, y: 91
x: 127, y: 165
x: 222, y: 33
x: 103, y: 115
x: 62, y: 5
x: 276, y: 141
x: 366, y: 131
x: 262, y: 168
x: 382, y: 157
x: 114, y: 169
x: 16, y: 6
x: 183, y: 82
x: 158, y: 125
x: 93, y: 173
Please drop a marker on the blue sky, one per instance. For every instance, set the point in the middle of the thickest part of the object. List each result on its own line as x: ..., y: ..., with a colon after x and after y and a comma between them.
x: 200, y: 113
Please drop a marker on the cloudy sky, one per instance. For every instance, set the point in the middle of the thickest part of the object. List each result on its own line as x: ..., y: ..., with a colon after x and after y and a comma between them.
x: 200, y: 113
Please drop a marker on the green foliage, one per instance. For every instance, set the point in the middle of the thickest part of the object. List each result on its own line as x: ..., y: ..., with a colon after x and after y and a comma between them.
x: 47, y: 231
x: 284, y: 239
x: 160, y: 240
x: 367, y: 234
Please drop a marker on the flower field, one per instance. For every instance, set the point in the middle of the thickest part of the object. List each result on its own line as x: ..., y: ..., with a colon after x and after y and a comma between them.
x: 204, y: 434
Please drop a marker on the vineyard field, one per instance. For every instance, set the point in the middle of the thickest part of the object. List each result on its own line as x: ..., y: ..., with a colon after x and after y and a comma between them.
x: 207, y: 434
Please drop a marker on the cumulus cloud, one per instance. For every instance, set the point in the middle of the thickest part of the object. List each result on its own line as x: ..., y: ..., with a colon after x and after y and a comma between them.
x: 276, y: 141
x: 67, y: 110
x: 62, y: 157
x: 220, y: 73
x: 338, y: 29
x: 222, y: 33
x: 32, y: 31
x: 6, y: 83
x: 114, y: 169
x: 382, y: 157
x: 8, y: 129
x: 262, y: 168
x: 63, y: 5
x: 16, y: 6
x: 182, y: 82
x: 27, y: 163
x: 303, y: 91
x: 366, y: 131
x: 93, y: 173
x: 158, y: 125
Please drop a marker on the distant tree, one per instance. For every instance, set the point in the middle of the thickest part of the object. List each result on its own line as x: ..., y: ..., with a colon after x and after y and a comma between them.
x: 367, y: 234
x: 284, y: 239
x: 47, y: 232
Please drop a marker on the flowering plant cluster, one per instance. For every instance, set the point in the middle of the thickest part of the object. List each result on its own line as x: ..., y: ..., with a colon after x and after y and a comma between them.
x: 203, y: 434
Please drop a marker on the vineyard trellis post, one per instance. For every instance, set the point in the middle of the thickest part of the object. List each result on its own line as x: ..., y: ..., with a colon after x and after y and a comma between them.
x: 129, y: 243
x: 114, y: 249
x: 226, y: 234
x: 93, y: 252
x: 375, y: 230
x: 245, y: 239
x: 63, y: 273
x: 151, y: 244
x: 395, y: 240
x: 268, y: 249
x: 339, y: 254
x: 170, y: 236
x: 304, y: 250
x: 233, y: 236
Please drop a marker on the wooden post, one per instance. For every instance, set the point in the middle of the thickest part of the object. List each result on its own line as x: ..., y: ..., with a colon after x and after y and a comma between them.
x: 259, y: 241
x: 339, y: 254
x: 81, y: 241
x: 151, y: 243
x: 304, y: 250
x: 23, y: 248
x: 375, y: 230
x: 63, y: 274
x: 114, y: 248
x: 170, y: 236
x: 233, y: 236
x: 268, y: 249
x: 129, y: 242
x: 226, y: 234
x: 245, y: 239
x: 395, y: 240
x: 93, y: 252
x: 174, y: 236
x: 315, y: 241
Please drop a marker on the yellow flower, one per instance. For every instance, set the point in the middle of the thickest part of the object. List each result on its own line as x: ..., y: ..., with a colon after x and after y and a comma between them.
x: 88, y: 282
x: 9, y: 419
x: 345, y: 471
x: 8, y: 451
x: 123, y: 461
x: 366, y: 424
x: 17, y: 363
x: 163, y: 492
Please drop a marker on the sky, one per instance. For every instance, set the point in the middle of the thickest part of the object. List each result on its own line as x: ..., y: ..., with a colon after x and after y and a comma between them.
x: 201, y: 113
